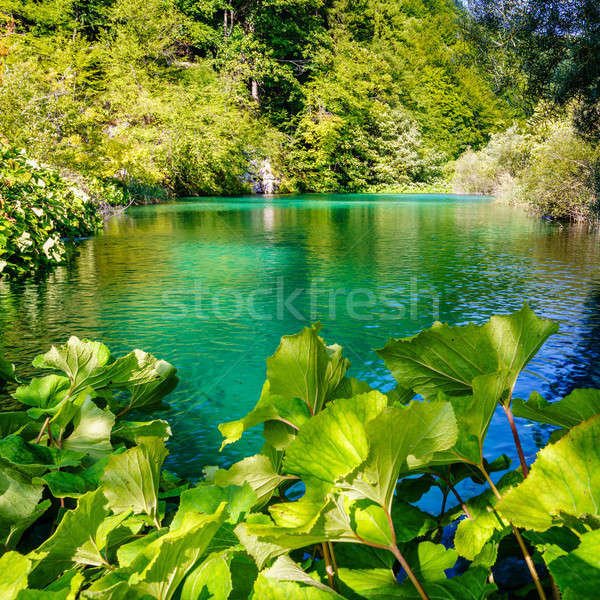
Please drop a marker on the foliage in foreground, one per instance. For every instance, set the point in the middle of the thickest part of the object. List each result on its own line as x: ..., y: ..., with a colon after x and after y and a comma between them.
x: 39, y: 209
x: 328, y: 508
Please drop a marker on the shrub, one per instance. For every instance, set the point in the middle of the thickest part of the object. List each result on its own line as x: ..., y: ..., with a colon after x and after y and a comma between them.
x: 40, y: 210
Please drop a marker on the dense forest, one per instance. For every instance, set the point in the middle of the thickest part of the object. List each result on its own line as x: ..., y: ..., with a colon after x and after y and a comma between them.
x: 131, y: 100
x: 191, y: 96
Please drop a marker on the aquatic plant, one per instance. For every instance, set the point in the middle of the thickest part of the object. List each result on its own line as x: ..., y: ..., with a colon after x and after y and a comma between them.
x: 330, y: 506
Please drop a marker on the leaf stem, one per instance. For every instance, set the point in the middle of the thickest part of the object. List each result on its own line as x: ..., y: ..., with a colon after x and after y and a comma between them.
x: 41, y: 433
x: 396, y: 552
x: 328, y: 566
x: 526, y: 555
x: 516, y: 437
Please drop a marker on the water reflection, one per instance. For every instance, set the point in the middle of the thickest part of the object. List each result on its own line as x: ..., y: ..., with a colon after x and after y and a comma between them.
x: 412, y: 259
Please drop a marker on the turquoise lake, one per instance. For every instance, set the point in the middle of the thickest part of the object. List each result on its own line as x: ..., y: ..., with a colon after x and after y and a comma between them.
x: 211, y: 284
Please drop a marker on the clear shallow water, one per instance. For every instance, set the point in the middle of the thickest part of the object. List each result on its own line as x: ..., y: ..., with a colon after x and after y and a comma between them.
x: 212, y: 284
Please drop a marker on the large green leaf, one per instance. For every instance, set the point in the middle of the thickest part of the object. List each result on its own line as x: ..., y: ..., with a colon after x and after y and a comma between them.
x: 14, y: 568
x: 285, y: 569
x: 578, y: 406
x: 159, y: 569
x: 448, y: 359
x: 44, y: 393
x: 63, y: 484
x: 334, y: 442
x: 79, y: 538
x: 429, y: 561
x: 130, y: 480
x: 19, y: 499
x: 578, y: 572
x: 257, y: 471
x: 401, y: 439
x: 35, y: 459
x: 78, y: 359
x: 267, y: 588
x: 87, y: 364
x: 211, y: 580
x: 291, y: 410
x: 92, y: 430
x: 380, y: 584
x: 485, y: 522
x: 135, y: 431
x: 473, y: 415
x: 563, y: 482
x: 304, y: 367
x: 206, y: 498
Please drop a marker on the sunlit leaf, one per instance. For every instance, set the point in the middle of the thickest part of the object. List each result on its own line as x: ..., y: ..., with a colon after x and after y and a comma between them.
x: 573, y: 409
x: 206, y: 498
x: 564, y: 482
x: 448, y: 359
x: 267, y: 588
x: 79, y: 538
x: 130, y: 480
x: 14, y: 568
x: 269, y: 407
x: 162, y: 565
x: 211, y: 580
x: 134, y: 431
x: 304, y: 367
x: 19, y: 499
x: 78, y: 359
x: 257, y: 471
x: 578, y: 572
x: 91, y: 433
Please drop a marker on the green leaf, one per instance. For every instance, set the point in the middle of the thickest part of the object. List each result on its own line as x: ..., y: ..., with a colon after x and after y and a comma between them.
x: 380, y: 584
x: 72, y: 485
x: 578, y: 573
x: 285, y: 569
x: 448, y: 359
x: 130, y: 480
x: 206, y: 498
x: 79, y: 538
x: 304, y: 367
x: 334, y: 442
x: 267, y: 588
x: 134, y: 431
x: 78, y: 359
x: 19, y: 499
x: 564, y: 482
x: 14, y: 568
x: 473, y: 415
x: 472, y: 534
x: 402, y: 439
x: 34, y: 459
x: 211, y: 580
x: 269, y: 407
x: 261, y: 550
x: 44, y: 393
x: 370, y: 522
x: 257, y: 471
x: 578, y: 406
x: 91, y: 434
x: 429, y: 561
x: 159, y: 569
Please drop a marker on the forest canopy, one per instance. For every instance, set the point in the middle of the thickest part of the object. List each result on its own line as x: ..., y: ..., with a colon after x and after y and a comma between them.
x: 189, y: 96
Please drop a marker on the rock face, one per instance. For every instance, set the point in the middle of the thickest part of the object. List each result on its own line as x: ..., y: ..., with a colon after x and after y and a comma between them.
x: 262, y: 179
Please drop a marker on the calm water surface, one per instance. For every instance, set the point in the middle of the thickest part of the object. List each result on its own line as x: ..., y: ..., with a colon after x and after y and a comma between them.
x: 210, y: 285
